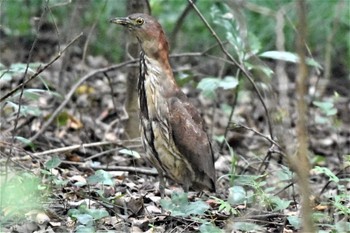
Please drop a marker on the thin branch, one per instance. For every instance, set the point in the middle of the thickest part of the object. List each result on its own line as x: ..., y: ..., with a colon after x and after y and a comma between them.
x: 74, y: 147
x: 146, y: 171
x: 261, y: 135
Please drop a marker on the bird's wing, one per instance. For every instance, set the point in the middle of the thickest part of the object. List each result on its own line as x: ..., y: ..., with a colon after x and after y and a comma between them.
x: 190, y: 138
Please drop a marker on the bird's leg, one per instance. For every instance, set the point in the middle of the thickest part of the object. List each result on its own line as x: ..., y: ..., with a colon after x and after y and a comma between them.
x: 161, y: 184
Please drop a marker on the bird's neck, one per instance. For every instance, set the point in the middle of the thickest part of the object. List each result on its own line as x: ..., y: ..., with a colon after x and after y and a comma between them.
x: 157, y: 70
x: 157, y: 50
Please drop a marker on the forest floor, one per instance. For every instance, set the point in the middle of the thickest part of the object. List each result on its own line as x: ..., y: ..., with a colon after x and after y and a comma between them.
x: 81, y: 173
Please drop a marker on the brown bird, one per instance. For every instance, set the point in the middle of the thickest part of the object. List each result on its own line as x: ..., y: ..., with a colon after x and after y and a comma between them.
x: 172, y: 129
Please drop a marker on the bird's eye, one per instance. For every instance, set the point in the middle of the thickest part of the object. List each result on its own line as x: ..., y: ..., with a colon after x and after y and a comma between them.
x: 139, y: 21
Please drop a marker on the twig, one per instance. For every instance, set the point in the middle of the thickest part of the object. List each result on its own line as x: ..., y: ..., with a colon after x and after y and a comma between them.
x: 112, y: 90
x: 261, y: 135
x: 73, y: 147
x: 284, y: 188
x: 151, y: 172
x: 111, y: 150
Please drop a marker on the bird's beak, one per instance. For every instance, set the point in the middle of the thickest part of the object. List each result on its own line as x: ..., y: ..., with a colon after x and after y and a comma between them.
x: 125, y: 21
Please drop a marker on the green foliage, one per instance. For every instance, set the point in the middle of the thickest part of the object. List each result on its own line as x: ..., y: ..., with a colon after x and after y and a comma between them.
x: 55, y: 181
x: 86, y: 218
x: 246, y: 227
x: 101, y: 177
x: 19, y: 194
x: 131, y: 153
x: 29, y: 106
x: 249, y: 189
x: 26, y: 141
x: 209, y: 228
x: 225, y: 206
x: 238, y: 195
x: 54, y: 162
x: 295, y: 221
x: 289, y: 57
x: 339, y: 201
x: 210, y: 85
x: 326, y: 107
x: 17, y: 68
x: 328, y: 110
x: 179, y: 205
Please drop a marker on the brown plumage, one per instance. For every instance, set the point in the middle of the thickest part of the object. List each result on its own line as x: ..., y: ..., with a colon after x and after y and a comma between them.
x: 172, y: 130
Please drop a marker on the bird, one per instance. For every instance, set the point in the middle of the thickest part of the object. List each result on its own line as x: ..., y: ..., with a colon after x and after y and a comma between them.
x: 172, y: 130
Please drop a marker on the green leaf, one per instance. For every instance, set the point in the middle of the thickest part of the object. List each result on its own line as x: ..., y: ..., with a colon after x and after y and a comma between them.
x: 54, y: 162
x: 249, y: 180
x: 342, y: 226
x: 209, y: 228
x: 22, y: 193
x: 279, y: 204
x: 34, y: 94
x: 237, y: 195
x: 294, y: 221
x: 208, y: 87
x: 62, y: 118
x: 60, y: 182
x: 26, y: 109
x: 265, y: 69
x: 289, y: 57
x: 102, y: 177
x: 133, y: 153
x: 26, y: 141
x: 84, y: 229
x: 5, y: 75
x: 98, y: 213
x: 178, y: 205
x: 284, y: 174
x: 183, y: 78
x: 210, y: 84
x: 326, y: 107
x: 321, y: 120
x: 228, y: 82
x: 225, y: 206
x: 219, y: 138
x: 84, y: 218
x: 246, y: 227
x: 327, y: 172
x: 21, y: 67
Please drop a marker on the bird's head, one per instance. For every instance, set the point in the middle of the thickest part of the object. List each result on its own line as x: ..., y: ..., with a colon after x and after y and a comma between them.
x: 148, y: 32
